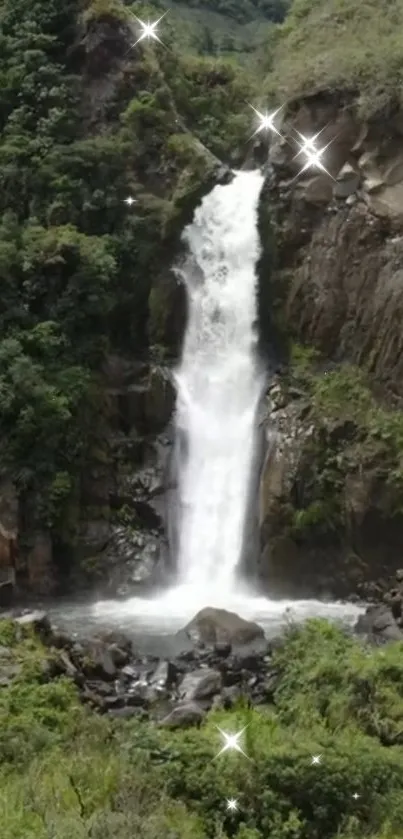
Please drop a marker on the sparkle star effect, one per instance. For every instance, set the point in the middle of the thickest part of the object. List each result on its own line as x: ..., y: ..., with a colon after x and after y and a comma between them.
x: 231, y: 741
x: 129, y: 201
x: 312, y: 153
x: 149, y: 30
x: 266, y: 121
x: 232, y: 804
x: 356, y: 796
x: 308, y: 143
x: 316, y: 759
x: 313, y: 158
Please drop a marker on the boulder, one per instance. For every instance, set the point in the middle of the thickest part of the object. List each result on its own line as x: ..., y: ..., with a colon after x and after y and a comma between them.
x: 214, y: 626
x: 183, y: 715
x: 37, y: 622
x: 379, y: 625
x: 201, y: 684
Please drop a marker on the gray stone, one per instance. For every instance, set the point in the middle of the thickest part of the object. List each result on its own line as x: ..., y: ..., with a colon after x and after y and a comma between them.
x: 165, y: 675
x: 201, y: 684
x: 37, y: 621
x: 347, y: 182
x: 183, y: 715
x: 212, y: 626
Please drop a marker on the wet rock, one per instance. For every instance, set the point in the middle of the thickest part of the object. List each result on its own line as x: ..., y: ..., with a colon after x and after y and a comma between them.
x: 212, y: 626
x: 100, y: 663
x: 222, y: 649
x: 37, y: 621
x: 201, y: 684
x: 165, y: 675
x: 119, y: 656
x: 379, y: 625
x: 183, y: 715
x: 130, y: 671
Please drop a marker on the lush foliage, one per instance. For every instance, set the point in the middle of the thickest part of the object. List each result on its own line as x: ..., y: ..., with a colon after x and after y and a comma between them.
x: 355, y: 431
x: 67, y: 773
x: 331, y: 43
x: 76, y: 264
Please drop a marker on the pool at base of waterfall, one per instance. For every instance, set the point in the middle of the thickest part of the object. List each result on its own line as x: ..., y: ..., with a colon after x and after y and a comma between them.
x: 152, y: 623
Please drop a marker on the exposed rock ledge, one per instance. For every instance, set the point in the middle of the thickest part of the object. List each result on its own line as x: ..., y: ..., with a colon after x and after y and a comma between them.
x: 340, y: 242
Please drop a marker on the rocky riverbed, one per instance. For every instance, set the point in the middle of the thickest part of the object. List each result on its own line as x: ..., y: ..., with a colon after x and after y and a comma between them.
x: 217, y: 658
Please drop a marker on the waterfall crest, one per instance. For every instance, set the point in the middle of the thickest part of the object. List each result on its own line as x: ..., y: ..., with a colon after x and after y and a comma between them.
x: 219, y: 382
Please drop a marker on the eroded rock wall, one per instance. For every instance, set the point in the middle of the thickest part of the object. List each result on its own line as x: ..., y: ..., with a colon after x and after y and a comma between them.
x: 330, y: 516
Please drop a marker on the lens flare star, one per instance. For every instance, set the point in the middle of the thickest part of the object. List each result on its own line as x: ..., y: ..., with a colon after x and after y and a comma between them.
x: 356, y: 796
x: 313, y: 159
x: 149, y: 31
x: 312, y: 154
x: 316, y: 759
x: 266, y: 121
x: 308, y: 143
x: 232, y: 804
x: 231, y: 741
x: 130, y: 201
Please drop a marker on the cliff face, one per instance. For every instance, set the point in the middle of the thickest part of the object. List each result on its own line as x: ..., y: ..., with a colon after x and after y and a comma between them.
x: 331, y: 493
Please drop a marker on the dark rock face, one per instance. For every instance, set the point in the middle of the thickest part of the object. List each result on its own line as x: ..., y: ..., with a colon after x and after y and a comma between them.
x: 354, y: 540
x: 339, y: 243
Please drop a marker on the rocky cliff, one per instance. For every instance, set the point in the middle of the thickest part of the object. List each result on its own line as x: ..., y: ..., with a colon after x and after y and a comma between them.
x: 331, y: 491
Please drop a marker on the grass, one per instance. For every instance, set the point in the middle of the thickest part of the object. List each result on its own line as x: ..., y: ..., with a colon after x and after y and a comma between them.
x: 327, y: 44
x: 70, y: 774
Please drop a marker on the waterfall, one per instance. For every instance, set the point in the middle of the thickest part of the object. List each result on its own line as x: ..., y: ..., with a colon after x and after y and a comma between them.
x: 219, y: 382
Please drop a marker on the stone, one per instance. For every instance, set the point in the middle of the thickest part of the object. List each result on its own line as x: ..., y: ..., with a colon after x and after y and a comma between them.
x: 347, y: 182
x: 184, y: 715
x: 373, y: 184
x: 399, y: 575
x: 100, y: 663
x: 165, y: 675
x: 200, y: 684
x: 378, y: 623
x: 318, y: 190
x: 37, y: 621
x: 211, y: 626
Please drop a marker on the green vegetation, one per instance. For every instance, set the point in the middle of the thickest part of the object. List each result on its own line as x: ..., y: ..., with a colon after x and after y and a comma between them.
x: 76, y: 264
x: 66, y: 772
x: 336, y: 43
x: 245, y: 10
x: 353, y: 431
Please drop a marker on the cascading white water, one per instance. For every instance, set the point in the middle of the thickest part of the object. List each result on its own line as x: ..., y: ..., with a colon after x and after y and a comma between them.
x: 219, y: 382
